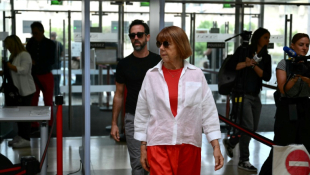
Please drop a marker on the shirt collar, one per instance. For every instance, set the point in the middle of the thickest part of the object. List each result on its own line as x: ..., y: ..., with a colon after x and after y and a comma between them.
x: 159, y: 66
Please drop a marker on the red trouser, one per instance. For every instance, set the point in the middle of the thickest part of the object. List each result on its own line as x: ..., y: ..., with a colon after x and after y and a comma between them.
x: 182, y: 159
x: 47, y: 88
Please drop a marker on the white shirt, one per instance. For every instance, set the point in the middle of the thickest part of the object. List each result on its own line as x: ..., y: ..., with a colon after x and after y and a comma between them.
x: 22, y: 79
x: 154, y: 121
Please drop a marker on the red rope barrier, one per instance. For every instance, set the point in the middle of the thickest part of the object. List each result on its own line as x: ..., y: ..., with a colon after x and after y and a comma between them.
x: 59, y: 141
x: 10, y: 169
x: 252, y: 134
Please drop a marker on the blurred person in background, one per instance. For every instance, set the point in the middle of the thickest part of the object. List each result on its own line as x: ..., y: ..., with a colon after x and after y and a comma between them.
x: 42, y: 51
x: 19, y: 69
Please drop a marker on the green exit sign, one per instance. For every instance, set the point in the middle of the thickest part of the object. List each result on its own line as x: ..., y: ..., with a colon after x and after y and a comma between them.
x: 227, y: 6
x: 59, y: 2
x: 144, y: 4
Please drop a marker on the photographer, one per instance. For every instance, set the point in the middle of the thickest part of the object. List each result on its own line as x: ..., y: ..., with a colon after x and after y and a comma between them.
x: 292, y: 119
x: 248, y: 85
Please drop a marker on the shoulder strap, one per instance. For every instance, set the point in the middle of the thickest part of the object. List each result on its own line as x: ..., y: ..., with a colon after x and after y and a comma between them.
x: 287, y: 67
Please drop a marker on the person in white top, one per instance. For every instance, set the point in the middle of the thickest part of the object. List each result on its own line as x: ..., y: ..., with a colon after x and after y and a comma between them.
x: 174, y: 104
x: 19, y: 66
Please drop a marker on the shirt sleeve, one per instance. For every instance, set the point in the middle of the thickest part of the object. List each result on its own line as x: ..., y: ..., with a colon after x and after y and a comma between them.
x: 282, y: 65
x: 142, y: 113
x: 210, y: 119
x: 25, y: 63
x: 119, y: 74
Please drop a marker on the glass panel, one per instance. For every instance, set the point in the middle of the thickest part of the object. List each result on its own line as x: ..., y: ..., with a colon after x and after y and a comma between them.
x: 46, y: 5
x: 58, y: 36
x: 173, y: 20
x: 76, y: 62
x: 24, y: 20
x: 211, y: 59
x: 173, y: 7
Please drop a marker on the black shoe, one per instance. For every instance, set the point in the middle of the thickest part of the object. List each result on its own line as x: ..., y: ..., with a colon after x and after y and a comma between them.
x: 246, y: 165
x: 228, y: 148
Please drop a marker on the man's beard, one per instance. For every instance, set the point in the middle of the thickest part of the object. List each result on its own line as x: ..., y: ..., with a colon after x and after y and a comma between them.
x: 139, y: 47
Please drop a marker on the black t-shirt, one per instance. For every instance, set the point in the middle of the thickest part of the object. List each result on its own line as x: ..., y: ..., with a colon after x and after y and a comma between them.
x: 253, y: 83
x: 131, y: 72
x: 43, y: 53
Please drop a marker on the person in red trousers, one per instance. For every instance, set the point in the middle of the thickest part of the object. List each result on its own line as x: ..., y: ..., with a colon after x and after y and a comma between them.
x: 42, y: 51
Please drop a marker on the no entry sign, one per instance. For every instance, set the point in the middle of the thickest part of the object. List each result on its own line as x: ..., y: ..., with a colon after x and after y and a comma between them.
x: 290, y: 160
x: 298, y: 162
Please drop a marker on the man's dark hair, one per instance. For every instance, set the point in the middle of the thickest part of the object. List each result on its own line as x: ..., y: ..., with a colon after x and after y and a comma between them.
x: 140, y: 22
x: 37, y: 25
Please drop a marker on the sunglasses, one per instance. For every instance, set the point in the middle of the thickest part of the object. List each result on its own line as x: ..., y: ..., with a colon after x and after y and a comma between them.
x: 165, y: 44
x: 133, y: 35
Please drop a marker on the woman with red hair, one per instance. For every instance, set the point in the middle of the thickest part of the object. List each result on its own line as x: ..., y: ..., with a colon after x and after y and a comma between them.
x: 174, y: 104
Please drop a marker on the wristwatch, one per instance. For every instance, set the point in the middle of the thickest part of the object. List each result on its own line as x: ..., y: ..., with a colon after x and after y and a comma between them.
x: 253, y: 66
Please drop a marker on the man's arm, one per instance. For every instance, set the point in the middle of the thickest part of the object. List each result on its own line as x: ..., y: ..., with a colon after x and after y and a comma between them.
x: 117, y: 106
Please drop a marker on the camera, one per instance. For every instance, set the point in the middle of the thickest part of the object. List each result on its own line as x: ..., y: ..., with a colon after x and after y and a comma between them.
x: 246, y: 36
x: 300, y: 66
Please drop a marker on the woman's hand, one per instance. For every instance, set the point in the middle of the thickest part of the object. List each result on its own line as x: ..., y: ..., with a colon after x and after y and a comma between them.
x: 249, y: 62
x: 253, y: 62
x: 305, y: 79
x: 143, y: 158
x: 219, y: 160
x: 11, y: 66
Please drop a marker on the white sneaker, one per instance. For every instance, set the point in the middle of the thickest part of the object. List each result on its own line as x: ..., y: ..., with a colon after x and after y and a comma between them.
x: 22, y: 143
x: 15, y: 139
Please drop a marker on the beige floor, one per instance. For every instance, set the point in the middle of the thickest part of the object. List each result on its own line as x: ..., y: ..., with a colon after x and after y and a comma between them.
x: 110, y: 158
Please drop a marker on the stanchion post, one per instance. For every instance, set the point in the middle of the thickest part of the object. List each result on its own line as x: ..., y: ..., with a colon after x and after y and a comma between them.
x: 227, y: 106
x: 108, y: 83
x: 59, y: 102
x: 100, y: 82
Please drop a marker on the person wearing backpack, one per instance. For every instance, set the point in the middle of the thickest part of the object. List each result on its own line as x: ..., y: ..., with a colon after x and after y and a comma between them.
x: 19, y: 66
x: 248, y: 85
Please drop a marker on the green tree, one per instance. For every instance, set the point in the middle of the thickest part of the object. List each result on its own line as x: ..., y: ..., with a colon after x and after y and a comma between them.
x: 205, y: 25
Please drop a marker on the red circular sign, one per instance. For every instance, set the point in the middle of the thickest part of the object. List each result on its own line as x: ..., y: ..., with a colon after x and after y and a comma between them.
x: 298, y: 163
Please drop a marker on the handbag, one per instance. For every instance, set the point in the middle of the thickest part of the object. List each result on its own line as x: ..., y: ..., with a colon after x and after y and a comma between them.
x: 11, y: 93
